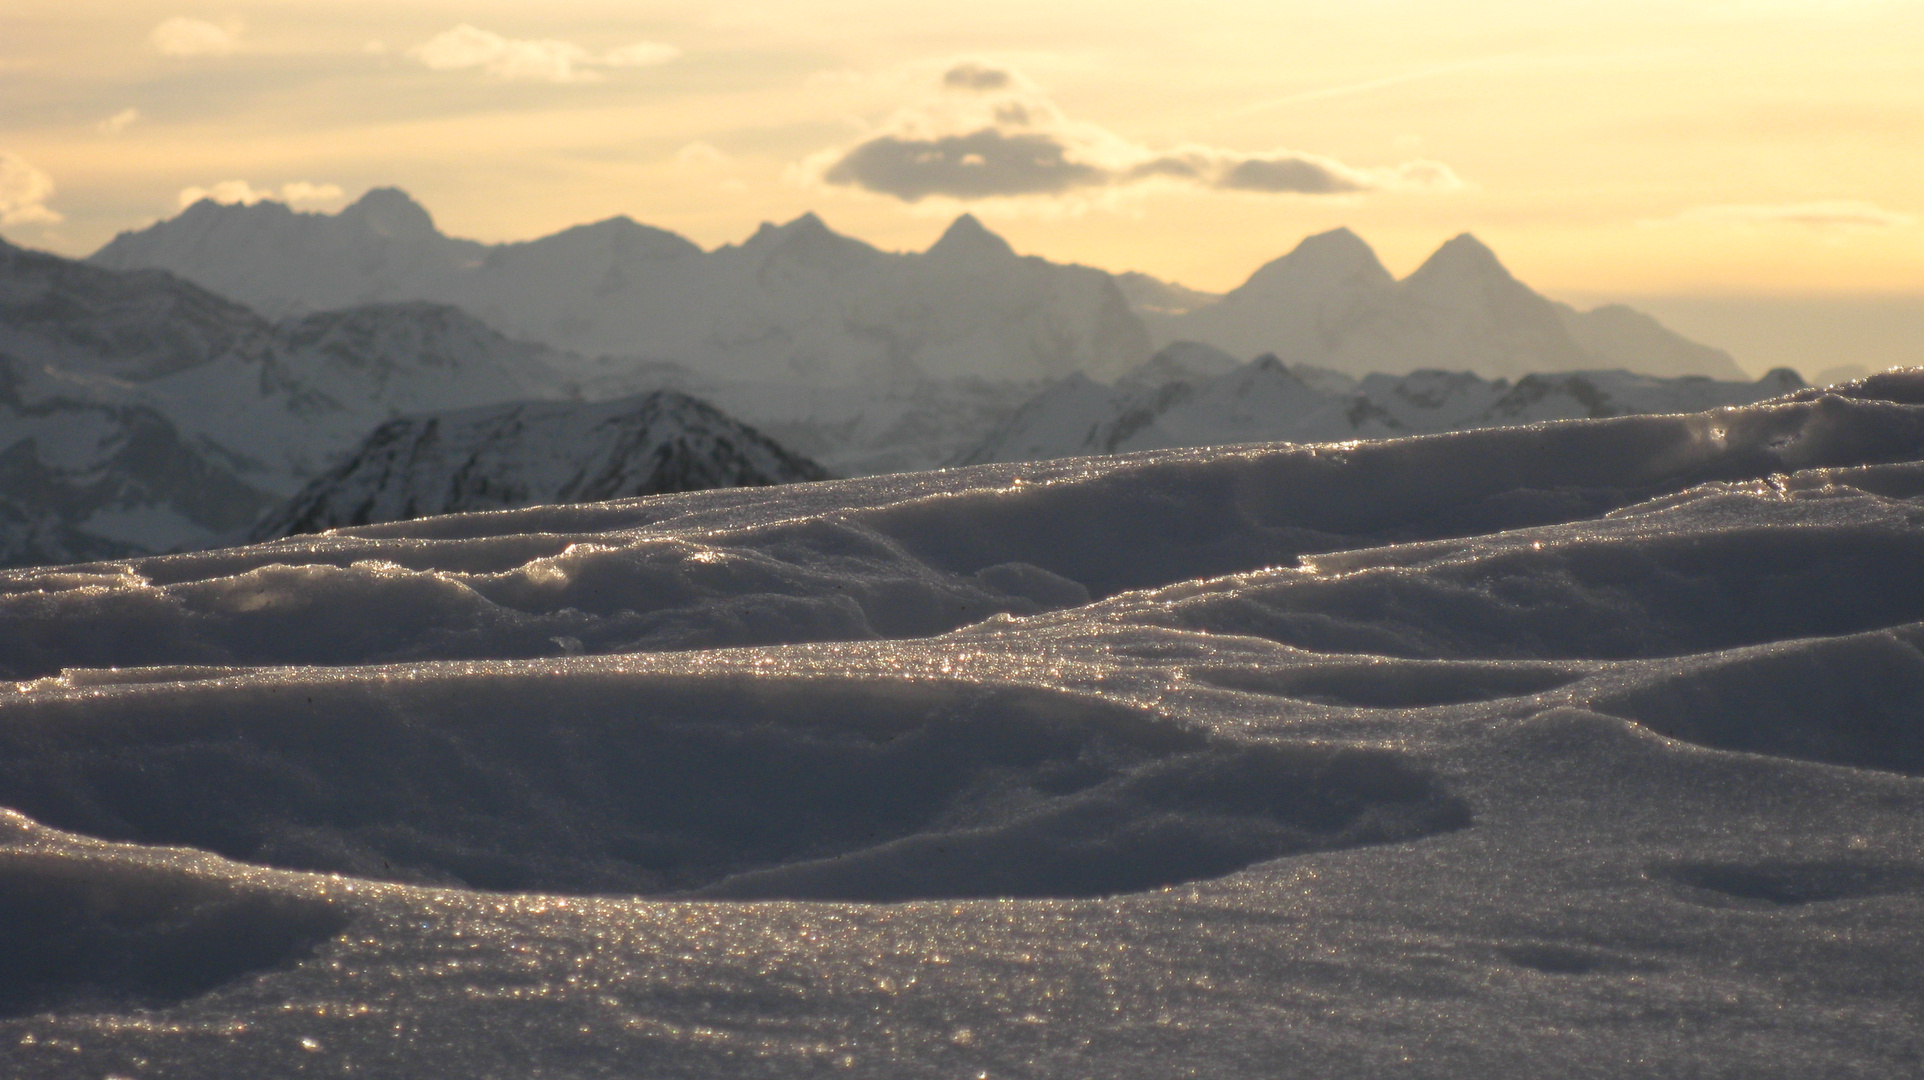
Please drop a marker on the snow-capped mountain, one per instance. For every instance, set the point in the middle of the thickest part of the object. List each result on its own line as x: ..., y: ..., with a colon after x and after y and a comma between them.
x: 1330, y: 303
x: 1268, y: 400
x: 793, y: 301
x: 140, y: 412
x: 531, y: 453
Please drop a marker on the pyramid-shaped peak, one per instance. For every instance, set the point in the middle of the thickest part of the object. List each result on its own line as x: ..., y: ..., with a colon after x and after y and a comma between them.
x: 1462, y: 256
x: 966, y: 235
x: 392, y: 212
x: 809, y: 222
x: 1338, y: 255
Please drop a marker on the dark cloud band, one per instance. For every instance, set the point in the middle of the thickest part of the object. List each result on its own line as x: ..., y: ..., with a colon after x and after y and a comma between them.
x: 974, y: 166
x: 975, y: 77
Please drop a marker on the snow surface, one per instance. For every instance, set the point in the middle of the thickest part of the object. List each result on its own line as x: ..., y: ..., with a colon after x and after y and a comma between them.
x: 1587, y: 748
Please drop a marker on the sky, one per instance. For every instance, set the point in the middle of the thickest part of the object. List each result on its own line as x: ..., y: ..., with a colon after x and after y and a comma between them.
x: 1736, y: 151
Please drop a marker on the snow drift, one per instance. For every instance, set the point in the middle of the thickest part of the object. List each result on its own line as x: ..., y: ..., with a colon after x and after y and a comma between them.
x: 1584, y: 748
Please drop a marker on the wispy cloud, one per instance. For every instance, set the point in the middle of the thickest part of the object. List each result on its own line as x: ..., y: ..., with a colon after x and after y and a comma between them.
x: 294, y: 193
x: 466, y: 48
x: 1833, y: 214
x: 24, y: 191
x: 987, y: 132
x: 181, y: 36
x: 118, y: 122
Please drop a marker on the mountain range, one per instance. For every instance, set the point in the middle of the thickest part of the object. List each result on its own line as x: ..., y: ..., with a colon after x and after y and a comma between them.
x: 146, y: 405
x: 141, y: 412
x: 1194, y: 396
x: 1331, y: 303
x: 799, y: 302
x: 793, y: 302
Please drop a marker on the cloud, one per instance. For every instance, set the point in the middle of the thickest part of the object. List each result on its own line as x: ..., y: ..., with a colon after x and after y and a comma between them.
x: 118, y: 122
x: 180, y: 36
x: 976, y: 77
x: 24, y: 191
x: 230, y: 192
x: 1824, y: 214
x: 546, y: 60
x: 973, y: 166
x: 999, y: 137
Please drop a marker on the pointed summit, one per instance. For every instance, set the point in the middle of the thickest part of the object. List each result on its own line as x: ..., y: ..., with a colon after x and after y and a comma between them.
x: 1338, y: 256
x: 391, y: 212
x: 967, y: 237
x: 1463, y: 256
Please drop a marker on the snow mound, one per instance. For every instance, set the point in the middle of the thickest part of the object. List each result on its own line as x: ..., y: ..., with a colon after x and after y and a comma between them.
x: 907, y: 556
x: 1590, y: 747
x: 101, y: 936
x: 763, y: 788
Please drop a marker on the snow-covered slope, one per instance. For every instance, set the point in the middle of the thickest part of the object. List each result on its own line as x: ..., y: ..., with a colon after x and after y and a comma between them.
x: 1163, y: 405
x: 141, y: 413
x: 795, y: 301
x: 504, y: 456
x: 1582, y: 749
x: 1330, y: 303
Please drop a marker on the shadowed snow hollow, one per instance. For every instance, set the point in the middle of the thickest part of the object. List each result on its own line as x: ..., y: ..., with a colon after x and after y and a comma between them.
x: 1591, y: 748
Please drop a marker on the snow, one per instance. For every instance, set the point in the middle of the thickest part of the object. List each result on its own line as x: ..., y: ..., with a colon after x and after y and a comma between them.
x: 1585, y: 748
x: 528, y: 453
x: 1185, y: 396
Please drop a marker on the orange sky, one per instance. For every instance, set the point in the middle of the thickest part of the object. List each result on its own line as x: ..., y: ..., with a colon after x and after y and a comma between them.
x: 1736, y: 148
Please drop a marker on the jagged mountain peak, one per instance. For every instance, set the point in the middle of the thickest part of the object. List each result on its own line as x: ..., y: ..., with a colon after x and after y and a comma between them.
x: 967, y: 237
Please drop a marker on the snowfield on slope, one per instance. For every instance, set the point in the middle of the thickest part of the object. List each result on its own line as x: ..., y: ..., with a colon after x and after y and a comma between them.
x: 1589, y: 748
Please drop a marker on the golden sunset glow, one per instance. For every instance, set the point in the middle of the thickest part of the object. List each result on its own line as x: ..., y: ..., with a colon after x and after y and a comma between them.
x: 1730, y: 148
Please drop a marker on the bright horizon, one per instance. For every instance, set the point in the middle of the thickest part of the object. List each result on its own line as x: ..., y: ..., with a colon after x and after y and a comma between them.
x: 1742, y: 151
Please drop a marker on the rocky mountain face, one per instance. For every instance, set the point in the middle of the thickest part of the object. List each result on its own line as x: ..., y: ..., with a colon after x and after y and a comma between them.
x: 141, y: 413
x: 531, y: 453
x: 1178, y: 400
x: 1330, y: 303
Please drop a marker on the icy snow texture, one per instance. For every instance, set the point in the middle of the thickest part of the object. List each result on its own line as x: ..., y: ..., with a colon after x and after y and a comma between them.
x: 1584, y: 749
